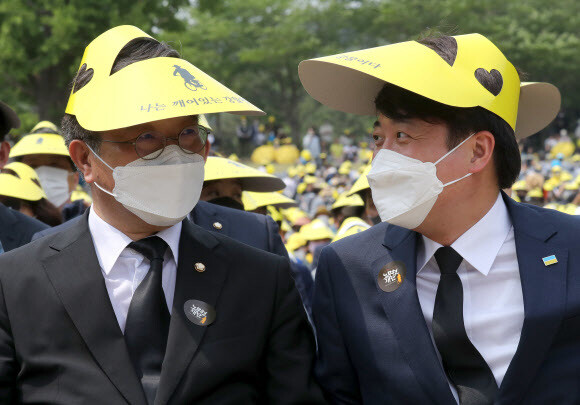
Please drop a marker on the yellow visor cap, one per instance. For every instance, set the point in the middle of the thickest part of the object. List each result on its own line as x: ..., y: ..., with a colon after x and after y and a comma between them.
x: 44, y: 144
x: 253, y: 200
x: 361, y: 183
x: 218, y: 168
x: 23, y: 189
x: 145, y: 91
x: 350, y: 81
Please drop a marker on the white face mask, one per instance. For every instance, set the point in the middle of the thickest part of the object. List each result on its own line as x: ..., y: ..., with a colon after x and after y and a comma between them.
x: 54, y: 182
x: 405, y: 189
x: 160, y: 191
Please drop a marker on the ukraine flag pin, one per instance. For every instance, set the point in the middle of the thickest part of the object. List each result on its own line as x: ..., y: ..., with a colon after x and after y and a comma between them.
x: 548, y: 260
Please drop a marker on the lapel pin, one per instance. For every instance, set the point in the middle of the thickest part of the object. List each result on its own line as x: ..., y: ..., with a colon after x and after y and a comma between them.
x: 217, y: 225
x: 392, y: 276
x: 200, y: 267
x: 548, y: 260
x: 199, y: 312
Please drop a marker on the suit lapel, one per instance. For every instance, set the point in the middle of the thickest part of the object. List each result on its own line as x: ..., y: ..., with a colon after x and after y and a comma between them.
x: 405, y: 316
x: 76, y: 276
x: 195, y: 246
x: 544, y: 293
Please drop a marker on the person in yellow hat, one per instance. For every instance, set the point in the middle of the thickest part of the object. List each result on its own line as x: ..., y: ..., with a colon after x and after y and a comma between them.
x: 20, y: 190
x: 45, y: 151
x: 16, y: 229
x: 133, y: 303
x: 225, y: 180
x: 424, y: 301
x: 347, y: 212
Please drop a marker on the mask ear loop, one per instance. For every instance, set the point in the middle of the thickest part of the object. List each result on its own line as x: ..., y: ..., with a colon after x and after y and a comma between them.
x: 449, y: 153
x: 105, y: 163
x: 453, y: 150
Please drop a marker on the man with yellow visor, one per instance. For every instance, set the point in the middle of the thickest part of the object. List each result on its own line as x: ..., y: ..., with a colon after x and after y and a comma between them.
x: 461, y: 295
x: 16, y: 229
x: 132, y: 303
x: 45, y: 151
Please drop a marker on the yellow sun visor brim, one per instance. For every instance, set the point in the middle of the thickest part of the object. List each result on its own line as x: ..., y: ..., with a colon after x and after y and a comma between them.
x: 218, y: 168
x: 253, y: 200
x: 361, y: 183
x: 23, y: 189
x: 349, y: 82
x: 40, y: 144
x: 148, y: 90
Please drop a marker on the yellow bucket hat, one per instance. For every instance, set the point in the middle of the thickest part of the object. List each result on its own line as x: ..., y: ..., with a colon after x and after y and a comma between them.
x: 149, y: 90
x: 218, y: 168
x: 27, y: 173
x: 316, y: 230
x: 350, y: 81
x: 254, y: 200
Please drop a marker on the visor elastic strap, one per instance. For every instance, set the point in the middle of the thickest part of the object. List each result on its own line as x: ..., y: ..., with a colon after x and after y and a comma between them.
x: 450, y: 152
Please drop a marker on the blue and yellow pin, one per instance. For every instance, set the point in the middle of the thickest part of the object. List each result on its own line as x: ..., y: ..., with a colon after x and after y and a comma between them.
x: 548, y: 260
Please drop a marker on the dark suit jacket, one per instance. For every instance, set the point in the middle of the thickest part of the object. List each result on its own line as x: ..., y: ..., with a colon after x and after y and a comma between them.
x: 259, y: 231
x: 60, y: 341
x: 16, y: 229
x: 374, y: 346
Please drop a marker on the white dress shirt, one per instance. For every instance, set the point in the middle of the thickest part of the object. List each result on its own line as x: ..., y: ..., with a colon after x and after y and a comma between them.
x: 124, y: 268
x: 493, y: 304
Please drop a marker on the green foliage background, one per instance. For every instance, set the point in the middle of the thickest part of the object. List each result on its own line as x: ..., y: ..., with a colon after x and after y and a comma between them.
x: 254, y: 46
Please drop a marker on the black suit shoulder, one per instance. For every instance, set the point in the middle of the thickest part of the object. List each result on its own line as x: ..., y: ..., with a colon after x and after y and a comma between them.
x: 17, y: 229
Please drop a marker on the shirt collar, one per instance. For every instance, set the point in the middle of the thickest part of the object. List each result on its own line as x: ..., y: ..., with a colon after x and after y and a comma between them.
x: 480, y: 244
x: 110, y: 242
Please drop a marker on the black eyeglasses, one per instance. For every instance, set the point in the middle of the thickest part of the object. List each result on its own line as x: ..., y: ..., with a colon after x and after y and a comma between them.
x: 149, y: 145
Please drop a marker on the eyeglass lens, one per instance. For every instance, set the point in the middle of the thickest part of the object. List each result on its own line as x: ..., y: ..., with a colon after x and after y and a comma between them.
x: 190, y: 140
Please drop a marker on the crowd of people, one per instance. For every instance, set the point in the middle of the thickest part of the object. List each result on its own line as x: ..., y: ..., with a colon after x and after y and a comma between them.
x: 158, y: 262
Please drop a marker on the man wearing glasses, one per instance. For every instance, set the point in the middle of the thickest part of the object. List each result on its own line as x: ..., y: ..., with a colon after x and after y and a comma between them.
x: 131, y: 304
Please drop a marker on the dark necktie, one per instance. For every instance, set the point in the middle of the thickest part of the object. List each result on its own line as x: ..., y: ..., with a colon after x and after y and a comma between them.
x: 464, y: 365
x: 148, y: 318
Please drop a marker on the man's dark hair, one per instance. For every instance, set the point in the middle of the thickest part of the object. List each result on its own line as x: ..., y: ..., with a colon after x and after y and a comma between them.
x: 397, y: 103
x: 137, y: 50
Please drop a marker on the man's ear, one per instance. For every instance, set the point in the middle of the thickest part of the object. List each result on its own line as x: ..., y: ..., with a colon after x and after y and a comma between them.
x: 80, y: 153
x: 482, y: 150
x: 206, y: 150
x: 4, y: 153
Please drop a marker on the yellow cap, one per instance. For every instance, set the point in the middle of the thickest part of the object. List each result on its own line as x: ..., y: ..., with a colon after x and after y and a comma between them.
x: 234, y: 157
x: 316, y: 230
x: 254, y: 200
x: 286, y: 154
x: 295, y: 241
x: 361, y: 183
x: 306, y: 155
x: 81, y: 195
x: 310, y: 167
x: 520, y: 185
x: 344, y: 168
x: 353, y: 200
x: 310, y: 180
x: 218, y: 168
x: 263, y: 155
x: 24, y: 189
x: 149, y: 90
x: 350, y: 226
x: 350, y: 81
x: 275, y: 214
x: 535, y: 193
x: 42, y: 125
x: 46, y: 144
x: 26, y: 173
